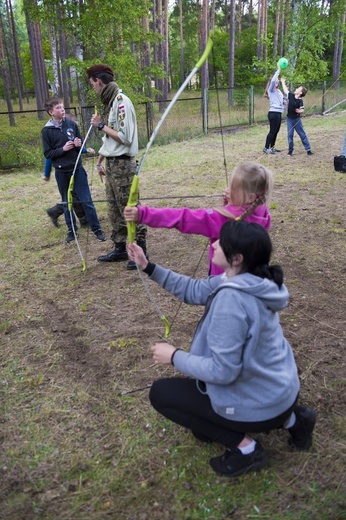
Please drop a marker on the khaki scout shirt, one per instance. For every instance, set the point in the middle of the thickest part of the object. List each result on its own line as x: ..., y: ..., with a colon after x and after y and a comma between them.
x: 122, y: 117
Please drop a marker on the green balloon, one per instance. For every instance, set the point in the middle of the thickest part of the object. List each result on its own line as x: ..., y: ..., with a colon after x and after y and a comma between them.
x: 283, y: 63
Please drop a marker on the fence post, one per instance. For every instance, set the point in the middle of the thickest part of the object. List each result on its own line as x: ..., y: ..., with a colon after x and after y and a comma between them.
x: 251, y: 106
x: 324, y: 96
x: 205, y: 111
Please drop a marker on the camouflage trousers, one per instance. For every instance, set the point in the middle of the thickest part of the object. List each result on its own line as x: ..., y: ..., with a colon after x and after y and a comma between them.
x: 119, y: 175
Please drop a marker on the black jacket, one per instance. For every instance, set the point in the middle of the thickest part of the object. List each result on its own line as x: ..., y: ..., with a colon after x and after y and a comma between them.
x: 54, y: 138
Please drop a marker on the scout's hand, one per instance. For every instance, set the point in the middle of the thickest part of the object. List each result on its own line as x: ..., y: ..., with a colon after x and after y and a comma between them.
x: 95, y: 120
x: 77, y: 142
x: 137, y: 255
x: 101, y: 171
x: 46, y: 179
x: 162, y: 353
x: 131, y: 214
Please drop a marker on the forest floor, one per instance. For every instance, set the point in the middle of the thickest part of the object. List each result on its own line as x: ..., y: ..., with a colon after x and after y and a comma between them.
x: 79, y: 439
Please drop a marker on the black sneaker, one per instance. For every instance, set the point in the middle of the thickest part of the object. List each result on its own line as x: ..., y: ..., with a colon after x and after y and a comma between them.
x: 70, y: 237
x: 233, y: 463
x: 54, y: 218
x: 301, y: 431
x: 276, y: 150
x: 289, y: 153
x: 309, y: 152
x: 83, y: 222
x: 99, y: 234
x: 131, y: 266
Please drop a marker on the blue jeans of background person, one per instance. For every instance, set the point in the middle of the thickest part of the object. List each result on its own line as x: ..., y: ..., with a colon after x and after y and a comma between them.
x: 344, y: 147
x: 296, y: 125
x: 82, y: 191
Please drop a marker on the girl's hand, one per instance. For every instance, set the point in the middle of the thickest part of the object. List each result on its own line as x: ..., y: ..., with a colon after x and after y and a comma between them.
x: 226, y: 197
x: 137, y: 255
x: 131, y: 214
x: 162, y: 353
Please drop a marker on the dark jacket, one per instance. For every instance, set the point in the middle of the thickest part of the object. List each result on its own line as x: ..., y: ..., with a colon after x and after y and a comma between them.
x: 54, y: 138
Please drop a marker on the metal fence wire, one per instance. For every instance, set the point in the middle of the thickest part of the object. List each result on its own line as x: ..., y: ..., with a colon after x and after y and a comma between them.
x: 191, y: 116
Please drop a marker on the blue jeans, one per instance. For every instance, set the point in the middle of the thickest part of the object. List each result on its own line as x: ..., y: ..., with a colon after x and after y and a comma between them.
x: 296, y: 125
x: 82, y: 191
x: 344, y: 147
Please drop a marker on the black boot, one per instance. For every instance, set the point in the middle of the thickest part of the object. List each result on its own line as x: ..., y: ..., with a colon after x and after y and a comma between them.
x: 301, y: 432
x: 131, y: 266
x: 118, y: 255
x: 54, y: 213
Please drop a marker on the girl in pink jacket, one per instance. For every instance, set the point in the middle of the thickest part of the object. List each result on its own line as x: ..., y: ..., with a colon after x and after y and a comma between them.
x: 250, y: 188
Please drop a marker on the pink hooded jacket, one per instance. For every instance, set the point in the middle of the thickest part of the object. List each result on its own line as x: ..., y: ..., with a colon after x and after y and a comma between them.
x: 207, y: 222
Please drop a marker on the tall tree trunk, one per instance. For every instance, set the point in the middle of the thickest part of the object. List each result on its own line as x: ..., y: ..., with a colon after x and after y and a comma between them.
x: 5, y: 76
x: 276, y: 28
x: 15, y: 53
x: 250, y: 14
x: 231, y: 53
x: 338, y: 50
x: 159, y: 81
x: 204, y: 38
x: 37, y: 60
x: 259, y: 34
x: 166, y: 50
x: 181, y: 43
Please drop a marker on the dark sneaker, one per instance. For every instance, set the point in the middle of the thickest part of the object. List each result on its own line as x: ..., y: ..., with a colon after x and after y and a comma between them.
x: 53, y: 216
x: 131, y: 266
x: 289, y: 153
x: 99, y: 234
x: 83, y: 222
x: 269, y: 151
x: 301, y: 431
x: 233, y: 463
x: 70, y: 237
x: 309, y: 152
x: 276, y: 150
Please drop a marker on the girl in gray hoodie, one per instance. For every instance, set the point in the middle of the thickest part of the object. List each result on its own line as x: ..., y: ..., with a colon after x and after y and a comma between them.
x: 242, y: 375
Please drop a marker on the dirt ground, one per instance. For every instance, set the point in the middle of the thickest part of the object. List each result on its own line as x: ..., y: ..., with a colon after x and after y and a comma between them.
x: 88, y: 334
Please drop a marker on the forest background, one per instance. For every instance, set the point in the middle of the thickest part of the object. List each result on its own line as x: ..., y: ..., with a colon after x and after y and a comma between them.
x: 46, y: 45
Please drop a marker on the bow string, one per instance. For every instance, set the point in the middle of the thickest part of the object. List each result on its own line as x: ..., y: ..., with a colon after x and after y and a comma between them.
x: 70, y: 199
x: 134, y: 190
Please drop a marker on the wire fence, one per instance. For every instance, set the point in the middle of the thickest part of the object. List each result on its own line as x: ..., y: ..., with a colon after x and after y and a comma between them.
x: 192, y: 115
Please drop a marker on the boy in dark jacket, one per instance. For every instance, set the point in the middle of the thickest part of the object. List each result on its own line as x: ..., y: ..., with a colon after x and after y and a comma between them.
x: 61, y: 143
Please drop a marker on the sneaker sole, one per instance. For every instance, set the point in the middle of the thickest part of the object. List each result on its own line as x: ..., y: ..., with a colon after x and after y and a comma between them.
x: 242, y: 471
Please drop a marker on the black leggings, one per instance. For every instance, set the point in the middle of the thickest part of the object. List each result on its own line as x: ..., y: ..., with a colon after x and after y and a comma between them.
x: 274, y: 127
x: 179, y: 400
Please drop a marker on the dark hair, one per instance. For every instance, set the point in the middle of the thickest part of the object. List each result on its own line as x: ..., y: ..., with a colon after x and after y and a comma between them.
x: 51, y: 103
x: 304, y: 91
x: 253, y: 243
x: 104, y: 72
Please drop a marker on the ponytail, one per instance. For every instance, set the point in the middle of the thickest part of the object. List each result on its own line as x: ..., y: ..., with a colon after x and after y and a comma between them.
x: 272, y: 272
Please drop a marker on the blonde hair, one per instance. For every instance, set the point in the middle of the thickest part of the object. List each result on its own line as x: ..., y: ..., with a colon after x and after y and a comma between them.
x: 247, y: 179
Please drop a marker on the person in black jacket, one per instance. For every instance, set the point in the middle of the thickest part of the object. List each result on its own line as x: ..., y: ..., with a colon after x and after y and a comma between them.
x: 61, y: 143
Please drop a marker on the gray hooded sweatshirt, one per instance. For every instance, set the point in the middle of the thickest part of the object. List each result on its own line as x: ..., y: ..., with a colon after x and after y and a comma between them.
x: 238, y: 351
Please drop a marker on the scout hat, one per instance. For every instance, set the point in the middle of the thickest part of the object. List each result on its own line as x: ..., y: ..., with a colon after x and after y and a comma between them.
x: 94, y: 70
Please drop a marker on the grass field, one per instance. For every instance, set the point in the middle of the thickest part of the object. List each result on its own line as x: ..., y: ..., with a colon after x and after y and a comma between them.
x: 79, y: 440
